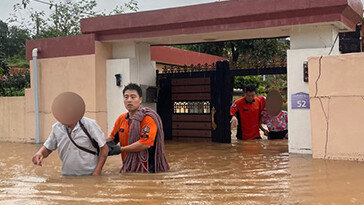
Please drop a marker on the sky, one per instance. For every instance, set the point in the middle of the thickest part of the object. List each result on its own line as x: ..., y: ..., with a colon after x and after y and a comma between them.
x: 6, y: 6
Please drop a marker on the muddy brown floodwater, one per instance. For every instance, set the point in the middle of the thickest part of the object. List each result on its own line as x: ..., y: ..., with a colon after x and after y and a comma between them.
x: 252, y: 172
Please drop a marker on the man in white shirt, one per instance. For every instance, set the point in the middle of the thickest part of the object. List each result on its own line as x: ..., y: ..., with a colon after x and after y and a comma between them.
x: 80, y: 142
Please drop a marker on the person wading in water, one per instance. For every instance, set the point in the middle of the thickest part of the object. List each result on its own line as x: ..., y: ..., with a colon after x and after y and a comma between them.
x: 141, y: 136
x: 80, y: 141
x: 249, y: 109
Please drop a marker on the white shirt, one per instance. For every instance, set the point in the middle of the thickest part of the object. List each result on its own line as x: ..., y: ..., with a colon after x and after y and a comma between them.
x: 74, y: 160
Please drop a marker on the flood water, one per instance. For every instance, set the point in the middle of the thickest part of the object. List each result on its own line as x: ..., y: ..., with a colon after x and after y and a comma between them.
x: 251, y: 172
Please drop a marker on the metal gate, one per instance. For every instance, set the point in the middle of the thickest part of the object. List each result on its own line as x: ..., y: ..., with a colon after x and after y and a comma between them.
x: 191, y: 107
x: 194, y: 101
x: 189, y: 101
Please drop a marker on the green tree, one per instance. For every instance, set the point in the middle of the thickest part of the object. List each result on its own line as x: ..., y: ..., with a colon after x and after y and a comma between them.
x: 12, y: 40
x: 4, y: 69
x: 14, y: 85
x: 245, y: 52
x: 253, y: 53
x: 16, y: 41
x: 241, y: 81
x: 3, y: 37
x: 64, y: 18
x: 17, y: 61
x: 258, y: 52
x: 264, y: 84
x: 212, y: 48
x: 12, y: 47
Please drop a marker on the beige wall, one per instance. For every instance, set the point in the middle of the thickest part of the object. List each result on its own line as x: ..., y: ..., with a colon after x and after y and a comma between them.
x: 12, y: 119
x: 337, y: 106
x: 103, y: 52
x: 83, y: 74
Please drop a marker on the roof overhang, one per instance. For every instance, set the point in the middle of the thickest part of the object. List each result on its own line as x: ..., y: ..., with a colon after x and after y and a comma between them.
x: 228, y: 20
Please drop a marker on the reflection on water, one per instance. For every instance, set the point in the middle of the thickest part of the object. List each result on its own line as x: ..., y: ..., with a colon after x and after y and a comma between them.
x: 253, y: 172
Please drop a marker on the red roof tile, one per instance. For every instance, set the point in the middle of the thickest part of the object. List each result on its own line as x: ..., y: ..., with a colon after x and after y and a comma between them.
x: 176, y: 56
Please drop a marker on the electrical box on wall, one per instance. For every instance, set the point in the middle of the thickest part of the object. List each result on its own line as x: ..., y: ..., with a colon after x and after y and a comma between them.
x: 118, y: 79
x: 149, y: 93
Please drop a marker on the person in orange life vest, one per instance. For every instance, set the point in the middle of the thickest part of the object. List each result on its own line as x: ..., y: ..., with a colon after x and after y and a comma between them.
x: 249, y: 108
x: 140, y: 134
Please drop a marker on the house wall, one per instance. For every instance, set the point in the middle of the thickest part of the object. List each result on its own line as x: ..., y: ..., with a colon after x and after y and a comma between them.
x: 12, y: 119
x: 305, y: 42
x: 133, y: 62
x: 82, y: 74
x: 337, y: 106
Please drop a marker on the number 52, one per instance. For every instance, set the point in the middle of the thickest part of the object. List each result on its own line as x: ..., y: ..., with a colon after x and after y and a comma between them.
x: 301, y: 103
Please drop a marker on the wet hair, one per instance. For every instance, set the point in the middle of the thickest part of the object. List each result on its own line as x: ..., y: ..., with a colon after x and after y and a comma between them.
x: 249, y: 88
x: 133, y: 86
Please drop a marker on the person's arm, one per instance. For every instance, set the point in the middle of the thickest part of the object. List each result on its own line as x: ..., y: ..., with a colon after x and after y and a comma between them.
x: 104, y: 150
x: 234, y: 121
x: 49, y: 145
x: 262, y: 128
x: 233, y: 110
x: 147, y: 136
x: 135, y: 147
x: 286, y: 124
x: 97, y: 134
x: 114, y: 130
x: 42, y: 153
x: 109, y: 138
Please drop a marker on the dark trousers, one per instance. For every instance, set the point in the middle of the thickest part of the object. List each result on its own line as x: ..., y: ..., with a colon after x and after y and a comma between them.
x: 275, y: 135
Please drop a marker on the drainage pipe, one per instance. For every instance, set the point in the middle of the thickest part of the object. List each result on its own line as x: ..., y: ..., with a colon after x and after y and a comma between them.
x: 35, y: 91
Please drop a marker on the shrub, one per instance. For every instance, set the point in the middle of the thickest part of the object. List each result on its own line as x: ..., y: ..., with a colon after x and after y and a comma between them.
x: 14, y: 85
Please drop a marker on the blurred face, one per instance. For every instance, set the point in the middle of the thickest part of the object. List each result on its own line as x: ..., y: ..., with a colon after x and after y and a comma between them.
x: 68, y: 108
x: 274, y: 103
x: 249, y: 96
x: 132, y: 100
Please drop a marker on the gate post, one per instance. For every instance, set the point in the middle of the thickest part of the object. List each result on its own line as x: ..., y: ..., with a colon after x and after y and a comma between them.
x: 221, y: 96
x: 165, y: 104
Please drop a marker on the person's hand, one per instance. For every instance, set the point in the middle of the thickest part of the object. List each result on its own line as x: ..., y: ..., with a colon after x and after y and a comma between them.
x: 234, y: 121
x: 108, y: 139
x: 113, y: 149
x: 37, y: 159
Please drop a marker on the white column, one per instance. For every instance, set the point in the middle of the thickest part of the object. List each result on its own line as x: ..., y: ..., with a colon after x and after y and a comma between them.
x: 115, y: 105
x: 306, y: 41
x: 132, y: 61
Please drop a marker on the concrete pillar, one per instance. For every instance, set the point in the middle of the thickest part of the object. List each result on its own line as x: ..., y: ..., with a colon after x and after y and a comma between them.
x: 306, y: 41
x: 133, y: 62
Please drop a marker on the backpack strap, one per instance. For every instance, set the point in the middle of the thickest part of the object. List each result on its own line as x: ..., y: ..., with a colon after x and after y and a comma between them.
x: 78, y: 146
x: 93, y: 141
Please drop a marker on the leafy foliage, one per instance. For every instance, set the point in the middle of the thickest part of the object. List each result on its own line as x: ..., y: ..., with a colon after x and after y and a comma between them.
x: 12, y: 40
x: 17, y: 61
x: 14, y: 85
x: 64, y: 18
x: 252, y: 51
x: 277, y: 82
